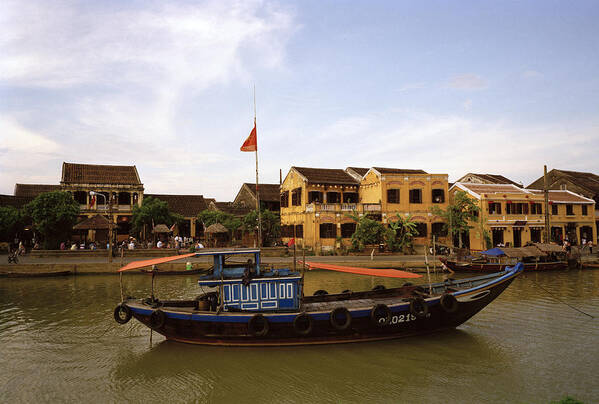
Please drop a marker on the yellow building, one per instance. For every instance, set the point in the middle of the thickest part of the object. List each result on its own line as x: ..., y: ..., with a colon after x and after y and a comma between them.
x: 388, y: 192
x: 513, y: 216
x: 316, y: 203
x: 314, y: 207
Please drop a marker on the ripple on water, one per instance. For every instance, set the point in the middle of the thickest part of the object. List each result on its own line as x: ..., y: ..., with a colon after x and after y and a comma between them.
x: 59, y: 339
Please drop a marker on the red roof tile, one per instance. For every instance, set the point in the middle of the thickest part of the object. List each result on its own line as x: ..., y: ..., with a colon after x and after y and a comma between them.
x: 326, y: 176
x: 33, y: 190
x: 99, y: 174
x: 384, y: 170
x: 185, y: 205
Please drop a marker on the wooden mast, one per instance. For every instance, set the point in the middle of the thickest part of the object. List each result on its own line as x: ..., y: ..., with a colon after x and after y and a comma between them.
x: 546, y: 192
x: 259, y: 241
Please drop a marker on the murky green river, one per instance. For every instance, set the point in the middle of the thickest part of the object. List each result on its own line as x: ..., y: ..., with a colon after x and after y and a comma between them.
x: 59, y: 343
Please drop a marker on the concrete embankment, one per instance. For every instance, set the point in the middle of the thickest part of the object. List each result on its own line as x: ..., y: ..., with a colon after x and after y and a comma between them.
x: 60, y: 265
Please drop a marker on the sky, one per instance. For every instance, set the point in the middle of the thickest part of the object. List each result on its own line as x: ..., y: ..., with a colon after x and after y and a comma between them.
x: 447, y: 87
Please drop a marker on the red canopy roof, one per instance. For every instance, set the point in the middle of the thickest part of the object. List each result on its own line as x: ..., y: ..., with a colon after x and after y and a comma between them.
x: 387, y: 273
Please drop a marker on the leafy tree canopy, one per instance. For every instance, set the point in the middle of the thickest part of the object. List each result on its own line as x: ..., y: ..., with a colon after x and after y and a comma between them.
x: 152, y: 211
x: 53, y: 214
x: 271, y: 225
x: 460, y: 212
x: 11, y: 222
x: 402, y: 231
x: 368, y: 231
x: 208, y: 217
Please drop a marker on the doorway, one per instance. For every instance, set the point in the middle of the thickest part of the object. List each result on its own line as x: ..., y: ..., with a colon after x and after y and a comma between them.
x: 497, y: 237
x: 517, y: 236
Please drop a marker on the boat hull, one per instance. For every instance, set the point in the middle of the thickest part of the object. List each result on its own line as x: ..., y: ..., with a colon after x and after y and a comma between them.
x: 232, y: 328
x: 495, y: 267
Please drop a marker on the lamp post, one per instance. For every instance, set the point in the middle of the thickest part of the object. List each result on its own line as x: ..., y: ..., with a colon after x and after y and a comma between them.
x: 93, y: 193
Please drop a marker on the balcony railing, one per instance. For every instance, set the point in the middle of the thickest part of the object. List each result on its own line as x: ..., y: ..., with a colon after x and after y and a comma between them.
x: 349, y: 207
x: 372, y: 207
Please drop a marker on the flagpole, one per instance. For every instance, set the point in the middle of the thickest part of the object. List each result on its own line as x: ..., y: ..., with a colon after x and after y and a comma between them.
x: 257, y: 188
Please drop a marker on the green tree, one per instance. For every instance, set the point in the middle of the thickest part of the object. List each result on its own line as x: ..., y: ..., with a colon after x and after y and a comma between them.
x: 271, y: 225
x: 53, y: 214
x: 368, y: 231
x: 11, y: 222
x: 208, y: 217
x: 459, y: 213
x: 152, y: 211
x: 401, y: 233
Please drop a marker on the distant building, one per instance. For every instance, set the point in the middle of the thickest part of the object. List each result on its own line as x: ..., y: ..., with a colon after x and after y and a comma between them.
x: 585, y: 184
x: 187, y: 206
x: 316, y: 202
x: 269, y: 196
x: 487, y: 179
x: 512, y: 216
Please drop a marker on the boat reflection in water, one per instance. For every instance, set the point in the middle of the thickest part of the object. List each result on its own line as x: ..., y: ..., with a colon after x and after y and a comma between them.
x: 244, y: 304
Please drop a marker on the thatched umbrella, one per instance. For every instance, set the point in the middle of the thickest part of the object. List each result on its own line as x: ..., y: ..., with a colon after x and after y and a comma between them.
x: 216, y: 229
x: 161, y: 228
x: 97, y: 222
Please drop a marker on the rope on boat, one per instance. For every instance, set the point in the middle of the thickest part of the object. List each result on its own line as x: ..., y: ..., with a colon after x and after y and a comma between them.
x: 561, y: 301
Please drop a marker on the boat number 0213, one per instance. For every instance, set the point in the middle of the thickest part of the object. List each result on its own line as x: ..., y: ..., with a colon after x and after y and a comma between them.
x: 401, y: 318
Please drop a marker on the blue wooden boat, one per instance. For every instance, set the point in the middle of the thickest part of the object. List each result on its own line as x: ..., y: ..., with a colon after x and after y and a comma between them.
x: 243, y: 304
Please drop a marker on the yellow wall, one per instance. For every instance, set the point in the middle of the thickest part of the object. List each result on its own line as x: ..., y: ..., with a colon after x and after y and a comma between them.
x: 488, y: 221
x: 372, y: 199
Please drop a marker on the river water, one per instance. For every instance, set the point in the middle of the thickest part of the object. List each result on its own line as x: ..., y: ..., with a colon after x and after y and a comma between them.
x: 59, y: 343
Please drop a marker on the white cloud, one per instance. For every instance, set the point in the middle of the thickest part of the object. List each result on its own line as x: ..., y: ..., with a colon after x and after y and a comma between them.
x: 450, y: 144
x: 532, y: 74
x: 467, y: 82
x: 114, y: 77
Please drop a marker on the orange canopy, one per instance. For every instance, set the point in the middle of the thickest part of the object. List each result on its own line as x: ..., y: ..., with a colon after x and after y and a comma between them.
x: 387, y: 273
x: 154, y: 261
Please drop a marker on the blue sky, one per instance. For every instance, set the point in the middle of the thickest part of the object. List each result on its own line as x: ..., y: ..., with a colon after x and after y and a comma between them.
x: 448, y: 87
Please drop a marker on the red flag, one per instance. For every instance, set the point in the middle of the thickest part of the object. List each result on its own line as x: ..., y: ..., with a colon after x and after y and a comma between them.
x: 291, y: 242
x: 92, y: 201
x: 251, y: 143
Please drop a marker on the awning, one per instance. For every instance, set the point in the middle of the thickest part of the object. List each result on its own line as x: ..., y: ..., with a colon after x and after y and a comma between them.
x: 549, y: 247
x: 495, y: 252
x: 387, y: 273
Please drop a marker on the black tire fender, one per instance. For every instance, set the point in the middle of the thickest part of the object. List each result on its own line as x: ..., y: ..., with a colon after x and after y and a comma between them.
x: 418, y: 307
x: 157, y: 318
x: 340, y: 311
x: 258, y: 326
x: 302, y: 324
x: 122, y: 314
x: 449, y: 303
x: 379, y: 287
x: 321, y: 292
x: 380, y: 315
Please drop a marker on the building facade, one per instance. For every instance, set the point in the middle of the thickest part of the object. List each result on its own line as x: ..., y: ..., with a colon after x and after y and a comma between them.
x: 317, y: 204
x: 513, y: 216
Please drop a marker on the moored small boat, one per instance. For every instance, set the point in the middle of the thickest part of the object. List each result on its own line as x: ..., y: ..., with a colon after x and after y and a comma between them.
x: 244, y: 305
x: 536, y: 257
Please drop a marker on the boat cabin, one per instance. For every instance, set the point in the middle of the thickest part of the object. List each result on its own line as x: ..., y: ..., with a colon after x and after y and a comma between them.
x: 246, y: 285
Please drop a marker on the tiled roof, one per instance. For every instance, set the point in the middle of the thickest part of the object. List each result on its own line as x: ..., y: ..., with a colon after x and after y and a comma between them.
x: 493, y: 179
x: 33, y: 190
x: 361, y: 171
x: 563, y: 196
x: 230, y: 207
x: 326, y: 176
x: 15, y: 201
x: 99, y: 174
x: 588, y: 181
x: 268, y: 192
x: 492, y: 188
x: 384, y: 170
x: 185, y: 205
x: 94, y: 222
